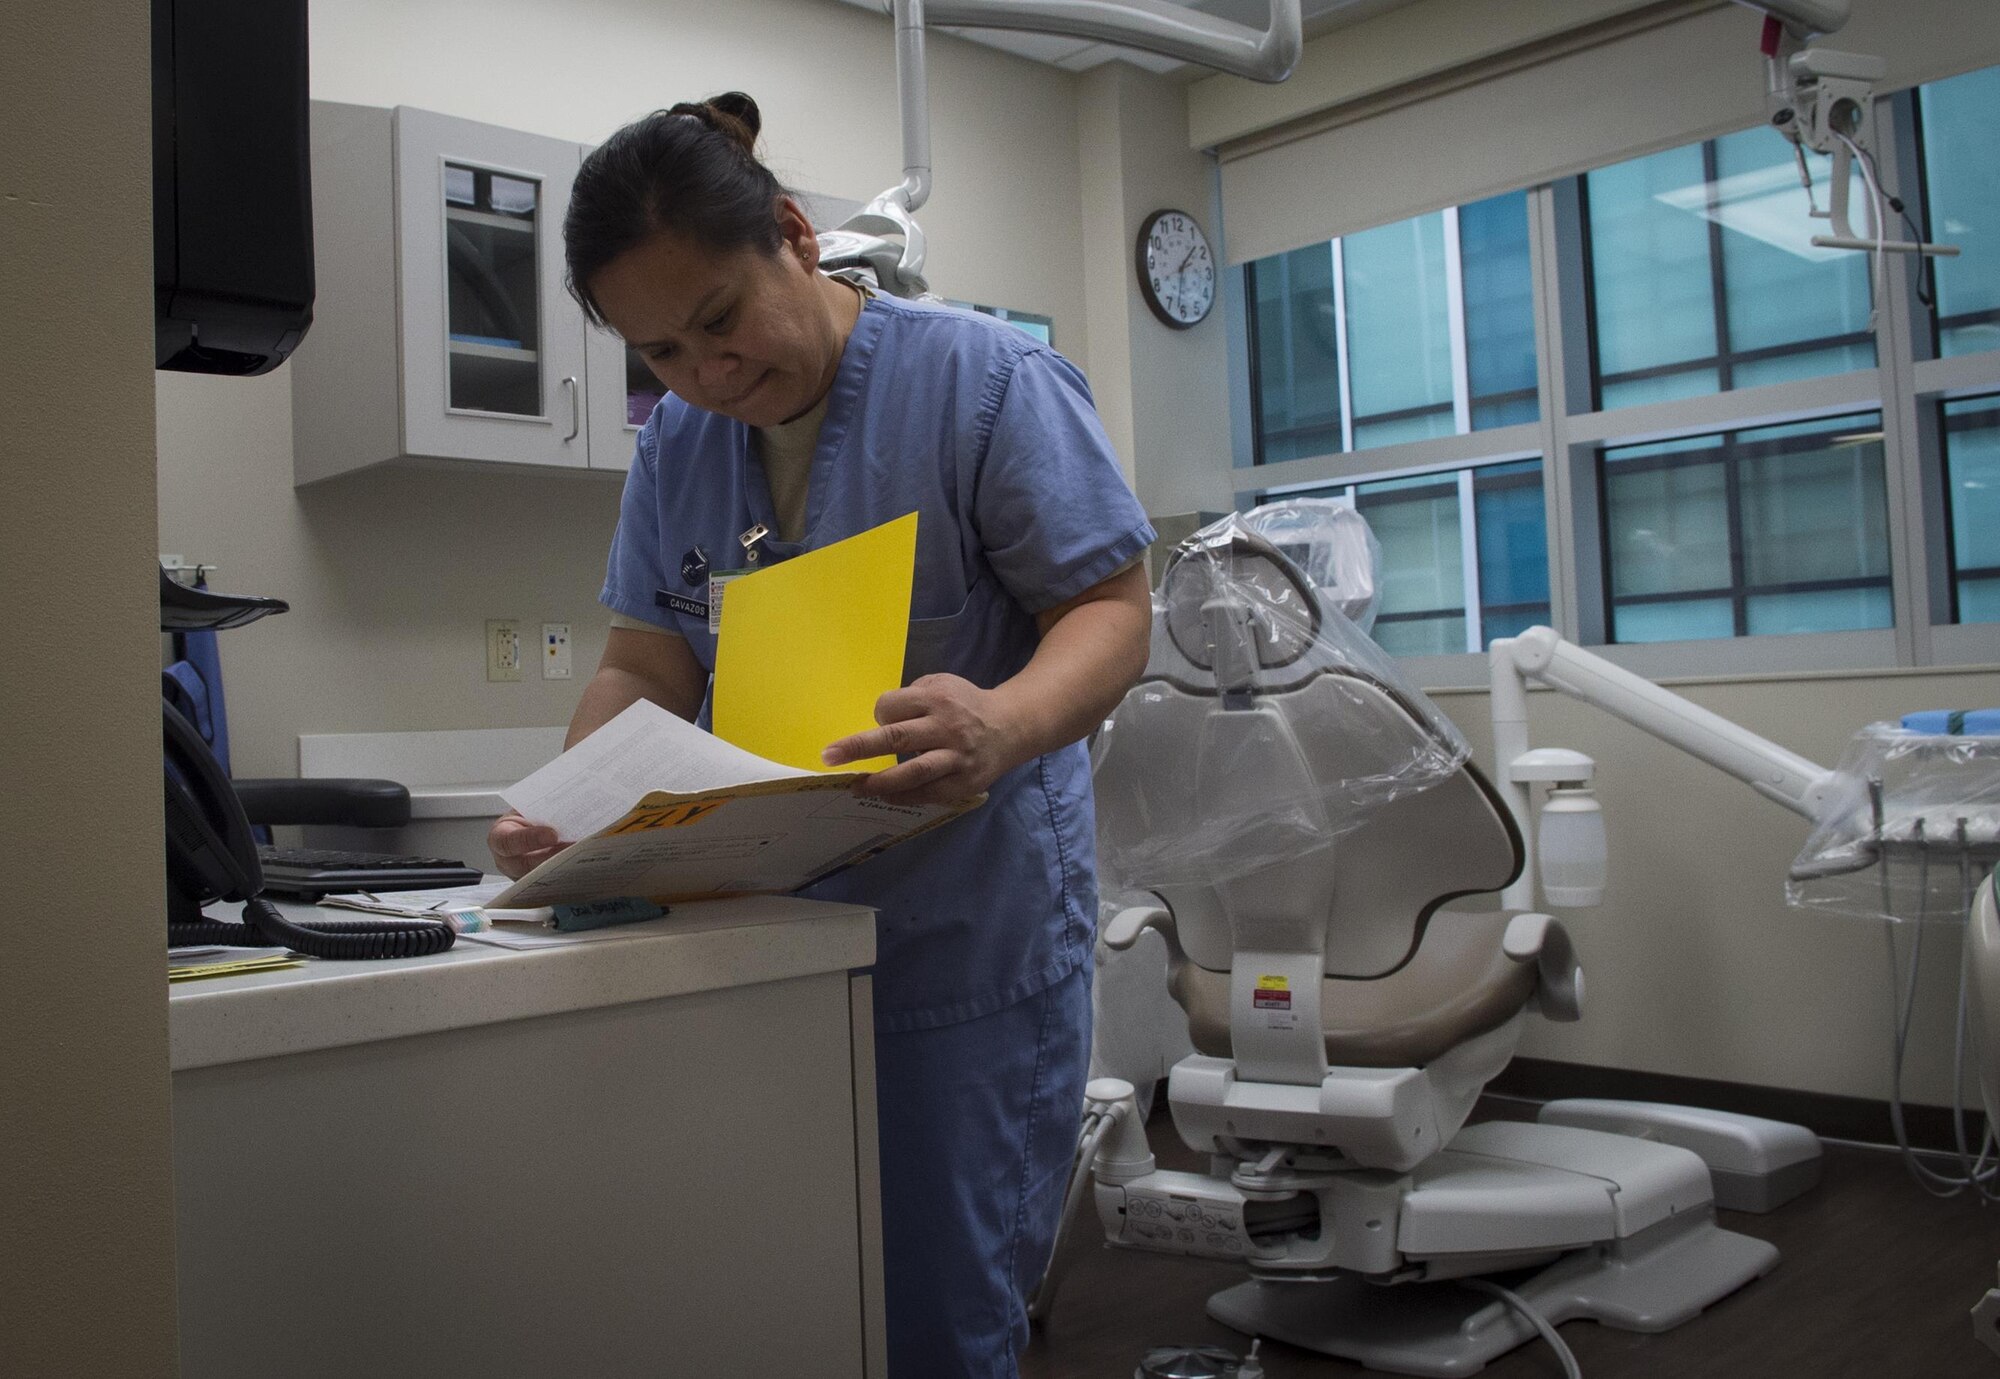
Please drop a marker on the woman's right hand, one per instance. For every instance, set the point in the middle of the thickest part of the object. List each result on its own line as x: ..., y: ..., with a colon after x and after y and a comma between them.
x: 518, y: 847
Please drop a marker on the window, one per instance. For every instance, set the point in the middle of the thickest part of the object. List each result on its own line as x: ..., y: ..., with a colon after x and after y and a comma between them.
x: 1782, y: 529
x: 1972, y: 498
x: 1038, y: 326
x: 1406, y: 332
x: 1962, y: 196
x: 1641, y: 406
x: 1499, y: 311
x: 1703, y: 277
x: 1427, y: 581
x: 1298, y: 355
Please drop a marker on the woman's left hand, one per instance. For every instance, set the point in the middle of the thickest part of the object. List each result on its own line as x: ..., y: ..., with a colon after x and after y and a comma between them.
x: 952, y: 738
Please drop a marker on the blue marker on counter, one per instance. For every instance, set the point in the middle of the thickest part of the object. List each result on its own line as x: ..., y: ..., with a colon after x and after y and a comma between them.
x: 597, y: 914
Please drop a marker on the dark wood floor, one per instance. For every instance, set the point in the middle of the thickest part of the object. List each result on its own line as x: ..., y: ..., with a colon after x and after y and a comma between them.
x: 1876, y: 1282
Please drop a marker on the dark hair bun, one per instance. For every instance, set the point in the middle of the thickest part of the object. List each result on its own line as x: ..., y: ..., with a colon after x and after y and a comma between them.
x: 732, y: 114
x: 741, y: 109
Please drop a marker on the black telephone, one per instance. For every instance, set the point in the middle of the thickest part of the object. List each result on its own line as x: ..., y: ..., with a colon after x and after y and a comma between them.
x: 211, y: 852
x: 212, y: 855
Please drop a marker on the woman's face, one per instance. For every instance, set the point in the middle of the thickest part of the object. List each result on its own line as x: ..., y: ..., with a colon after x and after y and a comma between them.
x: 748, y: 334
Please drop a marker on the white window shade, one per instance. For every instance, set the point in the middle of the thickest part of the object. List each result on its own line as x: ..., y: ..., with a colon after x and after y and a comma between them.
x: 1525, y: 117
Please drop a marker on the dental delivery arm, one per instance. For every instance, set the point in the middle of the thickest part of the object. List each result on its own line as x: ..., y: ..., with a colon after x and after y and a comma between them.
x: 1540, y: 655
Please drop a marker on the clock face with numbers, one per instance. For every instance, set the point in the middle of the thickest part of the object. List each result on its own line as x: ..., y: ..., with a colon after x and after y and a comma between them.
x: 1176, y: 269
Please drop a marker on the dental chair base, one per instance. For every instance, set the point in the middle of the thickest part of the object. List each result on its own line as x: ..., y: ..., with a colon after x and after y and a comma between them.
x: 1755, y: 1164
x: 1649, y: 1282
x: 1619, y: 1230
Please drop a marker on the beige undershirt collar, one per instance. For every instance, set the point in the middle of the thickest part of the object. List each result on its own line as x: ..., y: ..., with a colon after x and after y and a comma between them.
x: 786, y: 451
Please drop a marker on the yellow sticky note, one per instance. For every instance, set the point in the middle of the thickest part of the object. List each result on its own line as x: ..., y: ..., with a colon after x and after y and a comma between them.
x: 810, y: 644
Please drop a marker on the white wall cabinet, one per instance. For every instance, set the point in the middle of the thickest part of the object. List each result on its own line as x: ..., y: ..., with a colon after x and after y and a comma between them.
x: 442, y: 330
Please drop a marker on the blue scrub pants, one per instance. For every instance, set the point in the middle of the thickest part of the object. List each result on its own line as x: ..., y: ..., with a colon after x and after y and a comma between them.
x: 978, y: 1128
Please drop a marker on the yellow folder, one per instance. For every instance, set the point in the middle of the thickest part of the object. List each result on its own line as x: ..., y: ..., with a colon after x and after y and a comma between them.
x: 808, y: 645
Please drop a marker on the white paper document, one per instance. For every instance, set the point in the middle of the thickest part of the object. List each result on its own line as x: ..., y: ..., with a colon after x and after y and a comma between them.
x: 662, y: 811
x: 417, y: 904
x: 645, y: 748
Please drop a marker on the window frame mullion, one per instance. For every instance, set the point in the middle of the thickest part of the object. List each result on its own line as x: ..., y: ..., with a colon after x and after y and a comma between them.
x: 1341, y: 341
x: 1906, y: 440
x: 1468, y: 554
x: 1455, y: 325
x: 1562, y: 345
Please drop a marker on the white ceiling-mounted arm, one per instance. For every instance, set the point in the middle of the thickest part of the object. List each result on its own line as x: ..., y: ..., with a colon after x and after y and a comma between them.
x: 913, y: 89
x: 1805, y: 18
x: 886, y: 229
x: 1151, y: 26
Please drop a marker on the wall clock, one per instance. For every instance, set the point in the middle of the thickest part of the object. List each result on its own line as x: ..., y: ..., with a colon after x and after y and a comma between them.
x: 1176, y: 269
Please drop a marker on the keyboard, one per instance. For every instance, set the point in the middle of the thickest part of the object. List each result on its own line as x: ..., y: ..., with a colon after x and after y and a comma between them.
x: 327, y: 871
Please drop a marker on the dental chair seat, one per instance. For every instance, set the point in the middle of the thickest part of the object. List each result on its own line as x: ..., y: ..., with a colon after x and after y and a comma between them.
x: 1406, y: 980
x: 1459, y: 985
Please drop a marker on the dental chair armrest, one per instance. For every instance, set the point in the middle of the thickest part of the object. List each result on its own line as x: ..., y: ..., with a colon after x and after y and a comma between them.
x: 1543, y: 941
x: 1129, y: 923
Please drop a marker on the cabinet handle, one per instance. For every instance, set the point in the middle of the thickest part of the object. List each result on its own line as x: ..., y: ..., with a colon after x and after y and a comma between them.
x: 575, y: 410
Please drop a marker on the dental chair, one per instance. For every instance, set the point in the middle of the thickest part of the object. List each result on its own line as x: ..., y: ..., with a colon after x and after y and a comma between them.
x: 1306, y: 825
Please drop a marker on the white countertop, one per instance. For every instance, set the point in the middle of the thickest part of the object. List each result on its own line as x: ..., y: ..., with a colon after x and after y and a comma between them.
x: 705, y: 946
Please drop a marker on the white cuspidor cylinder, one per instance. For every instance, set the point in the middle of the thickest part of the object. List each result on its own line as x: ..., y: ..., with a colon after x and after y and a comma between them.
x: 1573, y: 848
x: 1124, y: 1154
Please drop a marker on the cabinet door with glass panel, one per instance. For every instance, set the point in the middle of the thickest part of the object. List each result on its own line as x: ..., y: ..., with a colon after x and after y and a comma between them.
x: 492, y: 347
x: 623, y: 393
x: 441, y: 328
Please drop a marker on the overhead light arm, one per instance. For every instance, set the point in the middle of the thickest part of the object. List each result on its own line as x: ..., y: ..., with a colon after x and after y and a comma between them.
x: 1150, y: 26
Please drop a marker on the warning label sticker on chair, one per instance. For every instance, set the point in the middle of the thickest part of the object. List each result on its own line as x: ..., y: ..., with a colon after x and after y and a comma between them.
x: 1273, y: 993
x: 1273, y: 1000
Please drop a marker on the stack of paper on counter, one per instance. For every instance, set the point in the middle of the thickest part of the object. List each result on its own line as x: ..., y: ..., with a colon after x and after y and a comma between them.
x: 665, y: 811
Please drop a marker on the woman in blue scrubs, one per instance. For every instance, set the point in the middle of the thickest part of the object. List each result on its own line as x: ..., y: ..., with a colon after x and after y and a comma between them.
x: 813, y: 410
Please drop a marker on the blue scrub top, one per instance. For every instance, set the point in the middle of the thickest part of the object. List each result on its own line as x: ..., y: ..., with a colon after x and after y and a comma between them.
x: 991, y: 437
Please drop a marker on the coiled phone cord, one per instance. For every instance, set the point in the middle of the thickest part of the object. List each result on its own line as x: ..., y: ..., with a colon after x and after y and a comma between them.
x: 264, y: 927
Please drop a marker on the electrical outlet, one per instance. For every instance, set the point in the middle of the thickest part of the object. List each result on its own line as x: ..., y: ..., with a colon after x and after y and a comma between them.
x: 555, y: 651
x: 503, y: 649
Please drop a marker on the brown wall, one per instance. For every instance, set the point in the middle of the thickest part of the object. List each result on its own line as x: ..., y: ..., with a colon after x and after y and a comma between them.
x: 86, y: 1219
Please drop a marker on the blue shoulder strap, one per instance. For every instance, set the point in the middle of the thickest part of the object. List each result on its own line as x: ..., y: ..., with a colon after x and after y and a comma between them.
x: 198, y: 670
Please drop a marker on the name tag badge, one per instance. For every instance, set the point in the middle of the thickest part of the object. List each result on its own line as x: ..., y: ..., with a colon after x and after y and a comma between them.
x: 680, y: 603
x: 718, y: 581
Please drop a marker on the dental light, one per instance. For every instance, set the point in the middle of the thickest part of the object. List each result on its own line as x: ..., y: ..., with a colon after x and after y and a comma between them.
x: 1823, y: 101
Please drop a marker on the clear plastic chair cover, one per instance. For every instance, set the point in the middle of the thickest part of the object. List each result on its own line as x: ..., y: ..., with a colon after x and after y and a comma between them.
x: 1333, y: 547
x: 1267, y: 724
